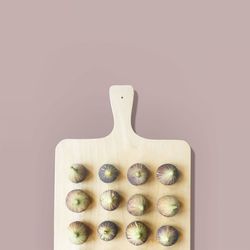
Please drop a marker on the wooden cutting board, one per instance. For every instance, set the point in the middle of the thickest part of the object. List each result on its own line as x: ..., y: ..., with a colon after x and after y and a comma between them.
x: 122, y: 148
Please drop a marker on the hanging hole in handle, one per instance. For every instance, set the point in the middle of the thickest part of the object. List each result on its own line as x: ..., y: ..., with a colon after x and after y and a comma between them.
x: 121, y: 97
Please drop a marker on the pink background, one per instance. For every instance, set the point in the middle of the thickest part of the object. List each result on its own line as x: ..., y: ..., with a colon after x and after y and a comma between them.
x: 189, y: 63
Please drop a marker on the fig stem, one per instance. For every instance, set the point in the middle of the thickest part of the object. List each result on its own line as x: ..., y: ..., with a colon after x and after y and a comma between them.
x: 77, y: 202
x: 108, y: 173
x: 141, y: 208
x: 138, y: 174
x: 74, y: 168
x: 166, y: 239
x: 139, y: 235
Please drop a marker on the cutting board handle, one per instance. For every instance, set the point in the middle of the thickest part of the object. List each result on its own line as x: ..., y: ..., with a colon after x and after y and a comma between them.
x: 121, y: 100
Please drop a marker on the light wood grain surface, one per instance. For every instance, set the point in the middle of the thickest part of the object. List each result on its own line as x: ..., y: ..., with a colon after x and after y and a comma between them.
x: 122, y: 148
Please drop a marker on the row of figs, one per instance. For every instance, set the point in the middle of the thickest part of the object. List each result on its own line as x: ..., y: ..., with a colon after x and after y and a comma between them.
x: 136, y: 233
x: 137, y: 174
x: 78, y: 201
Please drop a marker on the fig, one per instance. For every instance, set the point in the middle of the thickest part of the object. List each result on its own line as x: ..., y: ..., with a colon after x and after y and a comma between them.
x: 110, y: 200
x: 137, y: 233
x: 108, y: 173
x: 107, y: 230
x: 167, y: 235
x: 168, y: 205
x: 137, y: 205
x: 77, y: 201
x: 138, y: 174
x: 167, y: 174
x: 77, y: 173
x: 78, y: 232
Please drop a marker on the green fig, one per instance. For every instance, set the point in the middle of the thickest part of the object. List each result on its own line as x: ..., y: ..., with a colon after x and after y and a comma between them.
x: 137, y: 233
x: 167, y: 174
x: 167, y: 235
x: 77, y: 201
x: 77, y: 173
x: 137, y: 205
x: 168, y: 205
x: 107, y: 230
x: 110, y: 200
x: 78, y: 232
x: 138, y: 174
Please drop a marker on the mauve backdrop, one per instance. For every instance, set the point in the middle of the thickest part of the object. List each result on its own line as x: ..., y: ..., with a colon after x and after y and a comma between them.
x: 189, y: 63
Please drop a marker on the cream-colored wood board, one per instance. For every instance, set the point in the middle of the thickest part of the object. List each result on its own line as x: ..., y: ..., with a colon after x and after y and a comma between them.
x: 122, y: 148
